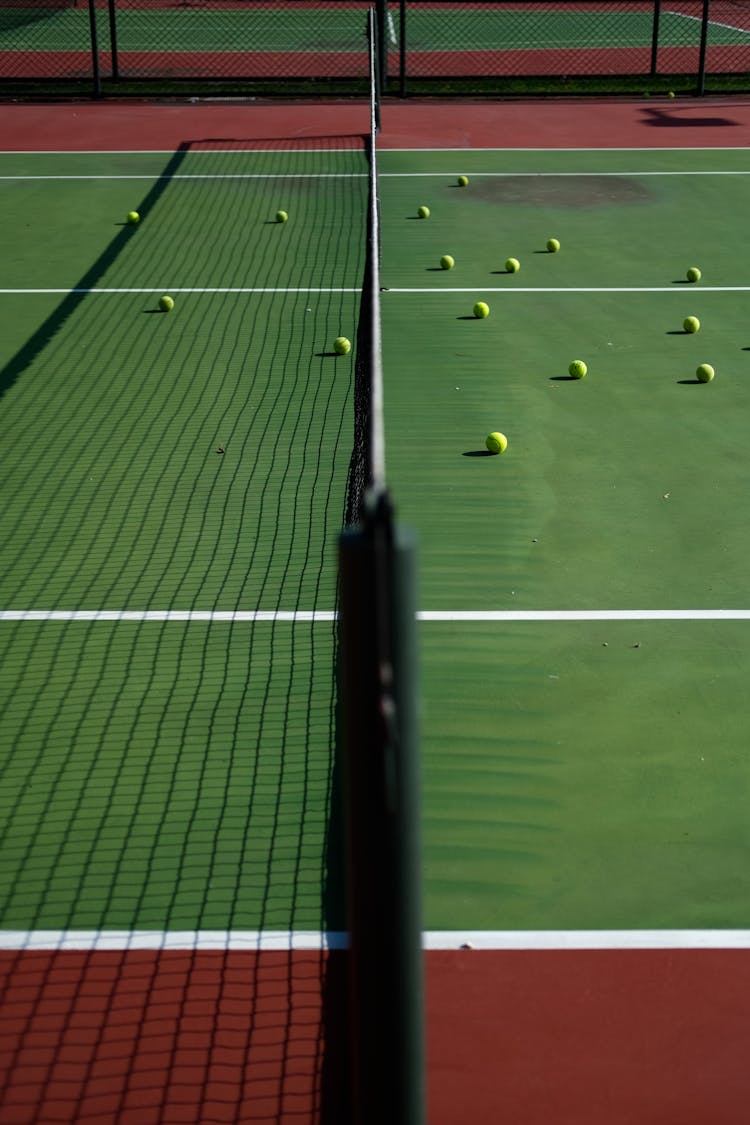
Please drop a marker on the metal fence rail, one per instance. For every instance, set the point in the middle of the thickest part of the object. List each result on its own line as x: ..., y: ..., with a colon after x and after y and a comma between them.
x: 310, y: 47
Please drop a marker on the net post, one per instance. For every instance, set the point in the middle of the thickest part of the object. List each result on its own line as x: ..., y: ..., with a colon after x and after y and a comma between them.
x: 702, y: 52
x: 378, y: 745
x: 95, y: 50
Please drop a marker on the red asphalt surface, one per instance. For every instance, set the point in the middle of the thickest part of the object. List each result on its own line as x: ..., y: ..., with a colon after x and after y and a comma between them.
x: 643, y: 123
x: 563, y: 1037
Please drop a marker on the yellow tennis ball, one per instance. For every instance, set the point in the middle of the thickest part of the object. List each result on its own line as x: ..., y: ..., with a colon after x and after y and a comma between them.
x: 670, y: 94
x: 513, y: 265
x: 691, y: 324
x: 133, y: 218
x: 704, y: 373
x: 166, y: 304
x: 281, y: 216
x: 481, y: 310
x: 446, y: 262
x: 341, y: 345
x: 423, y: 212
x: 577, y: 369
x: 553, y: 245
x: 496, y: 442
x: 694, y: 274
x: 463, y: 181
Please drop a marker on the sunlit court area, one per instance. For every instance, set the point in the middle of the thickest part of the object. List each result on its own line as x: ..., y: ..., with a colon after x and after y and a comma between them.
x: 374, y: 605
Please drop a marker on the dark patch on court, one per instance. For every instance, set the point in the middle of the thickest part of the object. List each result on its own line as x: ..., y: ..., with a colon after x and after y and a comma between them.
x: 561, y: 191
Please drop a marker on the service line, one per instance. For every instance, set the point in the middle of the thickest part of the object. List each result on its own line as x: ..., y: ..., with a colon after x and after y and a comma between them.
x: 315, y: 616
x: 28, y: 941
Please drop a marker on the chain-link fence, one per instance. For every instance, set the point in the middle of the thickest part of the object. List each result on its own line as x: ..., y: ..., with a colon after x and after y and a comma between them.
x: 255, y: 47
x: 575, y: 44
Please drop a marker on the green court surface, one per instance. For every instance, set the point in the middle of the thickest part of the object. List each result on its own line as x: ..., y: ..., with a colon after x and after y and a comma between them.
x: 620, y: 491
x: 165, y: 776
x: 586, y: 775
x: 577, y: 774
x: 177, y: 774
x: 173, y: 774
x: 115, y: 495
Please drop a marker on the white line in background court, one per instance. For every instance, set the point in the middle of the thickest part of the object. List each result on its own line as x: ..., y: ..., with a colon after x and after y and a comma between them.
x: 315, y: 616
x: 283, y: 940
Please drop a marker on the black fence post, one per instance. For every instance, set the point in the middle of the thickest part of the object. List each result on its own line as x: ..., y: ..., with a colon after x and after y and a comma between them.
x: 402, y: 48
x: 113, y: 40
x: 95, y: 50
x: 655, y: 36
x: 381, y: 10
x: 702, y: 53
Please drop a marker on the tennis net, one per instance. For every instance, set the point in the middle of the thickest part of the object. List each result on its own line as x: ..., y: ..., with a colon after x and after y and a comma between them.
x: 378, y: 736
x: 367, y: 467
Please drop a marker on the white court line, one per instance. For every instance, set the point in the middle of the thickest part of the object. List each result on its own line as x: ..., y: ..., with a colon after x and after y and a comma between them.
x: 205, y: 151
x: 199, y: 289
x: 511, y: 288
x: 304, y: 151
x: 546, y: 151
x: 362, y: 175
x: 166, y: 288
x: 213, y: 176
x: 554, y: 175
x: 275, y: 940
x: 585, y: 615
x: 216, y: 616
x: 711, y: 22
x: 304, y: 616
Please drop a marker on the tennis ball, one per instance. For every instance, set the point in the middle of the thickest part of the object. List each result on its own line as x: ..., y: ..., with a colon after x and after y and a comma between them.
x: 446, y: 262
x: 281, y: 216
x: 423, y: 212
x: 513, y: 265
x: 481, y: 310
x: 694, y: 274
x: 704, y: 373
x: 553, y: 245
x: 496, y: 442
x: 166, y: 304
x: 341, y: 345
x: 670, y: 94
x: 463, y: 181
x: 691, y: 324
x: 133, y: 218
x: 577, y: 369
